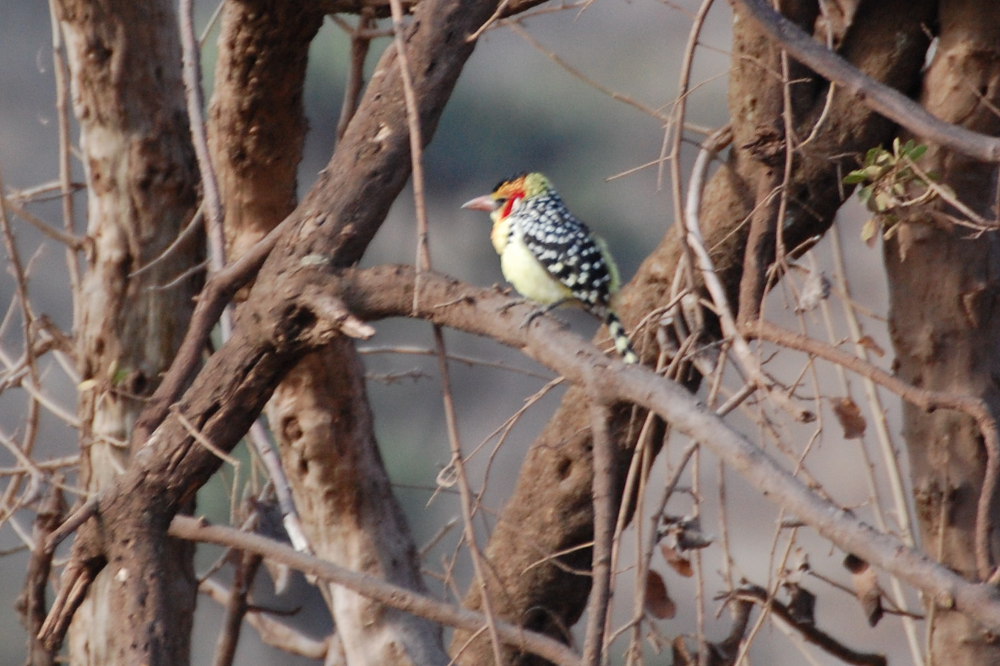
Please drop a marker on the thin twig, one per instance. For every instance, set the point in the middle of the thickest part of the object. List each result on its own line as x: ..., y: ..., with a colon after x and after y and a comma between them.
x: 604, y: 527
x: 904, y: 513
x: 515, y: 25
x: 195, y: 103
x: 713, y: 283
x: 677, y: 122
x: 424, y: 264
x: 471, y: 361
x: 28, y: 319
x: 236, y: 608
x: 974, y: 407
x: 63, y: 111
x: 72, y: 242
x: 271, y: 631
x: 191, y: 69
x: 361, y: 40
x: 264, y: 447
x: 807, y: 630
x: 77, y: 518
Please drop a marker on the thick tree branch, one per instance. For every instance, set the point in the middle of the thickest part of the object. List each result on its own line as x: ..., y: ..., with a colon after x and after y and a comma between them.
x: 877, y: 96
x: 335, y: 222
x: 387, y: 291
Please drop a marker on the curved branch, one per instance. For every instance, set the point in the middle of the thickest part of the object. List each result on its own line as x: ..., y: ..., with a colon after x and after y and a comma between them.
x: 889, y: 102
x: 924, y: 398
x: 388, y: 291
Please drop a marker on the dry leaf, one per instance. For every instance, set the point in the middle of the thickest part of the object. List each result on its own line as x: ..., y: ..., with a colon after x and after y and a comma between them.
x: 658, y: 601
x: 677, y: 562
x: 849, y: 415
x: 868, y: 343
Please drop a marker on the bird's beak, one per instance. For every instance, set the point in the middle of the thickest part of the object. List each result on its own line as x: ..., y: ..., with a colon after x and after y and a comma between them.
x: 484, y: 202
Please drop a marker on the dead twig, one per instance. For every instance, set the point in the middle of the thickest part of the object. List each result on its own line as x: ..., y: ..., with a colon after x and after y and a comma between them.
x: 926, y: 399
x: 759, y: 596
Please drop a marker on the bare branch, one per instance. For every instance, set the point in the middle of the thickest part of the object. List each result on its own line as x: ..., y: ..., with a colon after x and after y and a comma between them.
x: 486, y: 313
x: 881, y: 98
x: 808, y: 630
x: 604, y: 527
x: 184, y: 527
x: 927, y: 399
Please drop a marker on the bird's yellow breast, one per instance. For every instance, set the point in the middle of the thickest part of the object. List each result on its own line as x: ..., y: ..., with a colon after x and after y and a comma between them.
x: 526, y: 273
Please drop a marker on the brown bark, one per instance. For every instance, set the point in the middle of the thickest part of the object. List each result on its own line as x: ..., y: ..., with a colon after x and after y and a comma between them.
x: 944, y: 287
x: 343, y: 492
x: 320, y: 412
x: 886, y: 41
x: 279, y: 322
x: 257, y: 125
x: 134, y: 138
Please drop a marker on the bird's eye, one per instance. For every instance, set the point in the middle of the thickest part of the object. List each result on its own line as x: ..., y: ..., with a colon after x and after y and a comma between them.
x: 498, y: 203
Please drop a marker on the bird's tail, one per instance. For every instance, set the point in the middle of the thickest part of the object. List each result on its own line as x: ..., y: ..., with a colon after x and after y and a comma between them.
x: 620, y: 337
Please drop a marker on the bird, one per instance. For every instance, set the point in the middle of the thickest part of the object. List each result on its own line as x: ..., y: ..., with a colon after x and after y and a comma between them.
x: 550, y: 256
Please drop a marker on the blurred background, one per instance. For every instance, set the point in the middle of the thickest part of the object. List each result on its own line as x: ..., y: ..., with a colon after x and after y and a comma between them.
x: 515, y: 108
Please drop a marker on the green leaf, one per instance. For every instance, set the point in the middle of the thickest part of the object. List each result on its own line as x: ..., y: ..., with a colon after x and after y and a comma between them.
x: 855, y: 177
x: 918, y: 152
x: 872, y: 155
x: 874, y: 172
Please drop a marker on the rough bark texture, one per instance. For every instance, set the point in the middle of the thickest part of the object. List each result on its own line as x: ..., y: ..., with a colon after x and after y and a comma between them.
x: 257, y: 125
x: 349, y: 511
x: 886, y: 40
x: 945, y: 286
x: 136, y: 149
x: 276, y: 325
x: 320, y: 412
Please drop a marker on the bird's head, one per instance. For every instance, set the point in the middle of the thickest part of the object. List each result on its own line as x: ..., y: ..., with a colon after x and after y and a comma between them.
x: 509, y: 193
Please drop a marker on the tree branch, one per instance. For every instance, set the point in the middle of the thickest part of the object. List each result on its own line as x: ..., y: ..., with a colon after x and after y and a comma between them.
x: 333, y: 224
x: 387, y: 291
x: 391, y: 595
x: 889, y: 102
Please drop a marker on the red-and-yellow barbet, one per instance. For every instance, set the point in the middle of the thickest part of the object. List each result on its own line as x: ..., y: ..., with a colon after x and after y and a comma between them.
x: 549, y: 255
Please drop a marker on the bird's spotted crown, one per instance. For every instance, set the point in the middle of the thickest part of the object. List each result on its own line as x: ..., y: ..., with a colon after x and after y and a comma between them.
x: 524, y: 184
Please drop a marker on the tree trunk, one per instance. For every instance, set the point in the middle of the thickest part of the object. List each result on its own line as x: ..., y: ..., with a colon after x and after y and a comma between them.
x: 128, y: 97
x: 320, y: 412
x: 944, y: 285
